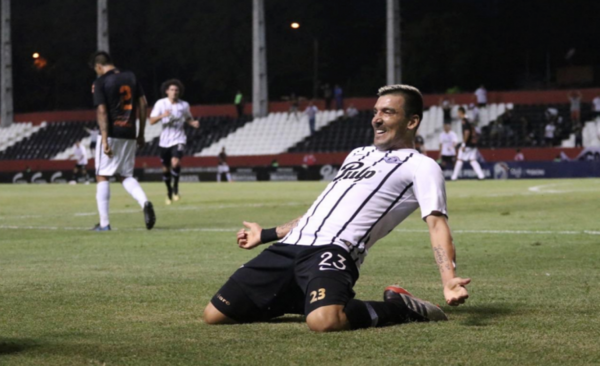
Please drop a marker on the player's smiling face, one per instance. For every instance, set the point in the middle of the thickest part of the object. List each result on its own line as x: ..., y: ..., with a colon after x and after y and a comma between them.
x: 390, y: 124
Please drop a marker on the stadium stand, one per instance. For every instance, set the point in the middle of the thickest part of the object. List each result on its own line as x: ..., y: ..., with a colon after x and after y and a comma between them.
x: 46, y: 140
x: 16, y: 132
x: 273, y: 134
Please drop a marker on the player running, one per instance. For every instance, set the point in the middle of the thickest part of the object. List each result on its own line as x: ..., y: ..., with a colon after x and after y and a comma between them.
x: 118, y: 97
x: 312, y: 268
x: 173, y: 113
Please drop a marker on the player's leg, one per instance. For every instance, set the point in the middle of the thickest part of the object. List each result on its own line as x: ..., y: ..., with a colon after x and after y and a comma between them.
x: 457, y: 168
x: 124, y: 154
x: 259, y: 290
x: 165, y: 159
x: 105, y: 168
x: 102, y: 200
x: 477, y: 168
x: 175, y: 170
x: 219, y: 172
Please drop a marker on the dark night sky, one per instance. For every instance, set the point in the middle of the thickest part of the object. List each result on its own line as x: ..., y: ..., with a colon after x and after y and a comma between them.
x: 504, y: 44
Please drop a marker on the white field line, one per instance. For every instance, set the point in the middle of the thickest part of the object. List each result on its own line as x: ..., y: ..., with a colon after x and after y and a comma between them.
x: 233, y: 230
x: 184, y: 208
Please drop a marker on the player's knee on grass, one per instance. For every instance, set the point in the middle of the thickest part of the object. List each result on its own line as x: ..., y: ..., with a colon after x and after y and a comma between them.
x: 213, y: 316
x: 330, y: 318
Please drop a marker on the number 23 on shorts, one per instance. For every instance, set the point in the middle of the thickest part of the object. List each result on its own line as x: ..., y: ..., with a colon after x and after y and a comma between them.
x: 317, y: 295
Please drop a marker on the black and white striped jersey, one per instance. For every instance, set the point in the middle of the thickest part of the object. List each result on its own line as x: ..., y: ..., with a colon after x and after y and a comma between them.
x: 172, y: 126
x: 372, y: 193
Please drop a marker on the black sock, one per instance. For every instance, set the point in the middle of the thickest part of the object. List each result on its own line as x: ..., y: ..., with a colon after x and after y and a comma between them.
x: 358, y: 314
x: 365, y: 314
x: 175, y: 174
x: 388, y: 313
x: 167, y: 180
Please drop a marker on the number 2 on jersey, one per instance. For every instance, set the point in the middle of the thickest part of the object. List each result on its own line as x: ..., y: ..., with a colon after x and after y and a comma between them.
x: 125, y: 92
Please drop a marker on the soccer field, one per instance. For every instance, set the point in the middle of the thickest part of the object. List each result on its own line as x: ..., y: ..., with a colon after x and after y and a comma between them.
x: 135, y: 297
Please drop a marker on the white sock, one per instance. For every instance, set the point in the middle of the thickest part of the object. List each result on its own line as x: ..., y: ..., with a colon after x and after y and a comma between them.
x: 457, y: 169
x: 103, y: 198
x: 219, y: 177
x: 228, y: 177
x: 135, y: 190
x: 477, y: 169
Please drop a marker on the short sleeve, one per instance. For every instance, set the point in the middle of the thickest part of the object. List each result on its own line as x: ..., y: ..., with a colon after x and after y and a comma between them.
x: 187, y: 114
x: 157, y: 110
x: 430, y: 188
x: 98, y: 93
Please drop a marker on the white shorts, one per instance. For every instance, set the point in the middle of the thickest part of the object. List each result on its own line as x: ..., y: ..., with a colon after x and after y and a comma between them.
x: 122, y: 161
x: 223, y: 168
x: 470, y: 153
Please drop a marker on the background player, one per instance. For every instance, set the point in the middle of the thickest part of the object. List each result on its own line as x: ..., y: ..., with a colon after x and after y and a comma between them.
x: 118, y: 96
x: 313, y: 268
x: 80, y: 169
x: 173, y: 113
x: 448, y: 142
x: 223, y: 168
x: 467, y: 151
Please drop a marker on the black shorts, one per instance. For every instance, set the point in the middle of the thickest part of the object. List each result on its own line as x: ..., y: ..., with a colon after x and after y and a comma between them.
x: 288, y: 279
x: 167, y: 153
x: 448, y: 160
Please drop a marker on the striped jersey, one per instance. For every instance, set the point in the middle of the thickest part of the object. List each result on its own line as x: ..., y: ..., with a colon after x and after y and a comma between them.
x: 373, y: 192
x: 172, y: 126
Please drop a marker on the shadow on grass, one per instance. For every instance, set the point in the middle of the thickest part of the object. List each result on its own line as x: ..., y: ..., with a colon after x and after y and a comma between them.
x: 12, y: 346
x: 288, y: 319
x: 480, y: 316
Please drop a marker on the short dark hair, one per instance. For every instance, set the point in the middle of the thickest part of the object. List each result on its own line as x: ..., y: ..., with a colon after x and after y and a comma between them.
x: 175, y: 82
x: 101, y: 58
x: 413, y: 99
x: 462, y: 109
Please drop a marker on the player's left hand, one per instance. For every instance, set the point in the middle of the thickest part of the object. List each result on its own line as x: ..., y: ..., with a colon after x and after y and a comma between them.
x: 251, y: 238
x: 141, y: 141
x: 195, y: 124
x: 455, y: 291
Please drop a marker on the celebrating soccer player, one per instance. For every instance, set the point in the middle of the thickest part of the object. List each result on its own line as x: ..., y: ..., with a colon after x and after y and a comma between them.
x: 313, y: 266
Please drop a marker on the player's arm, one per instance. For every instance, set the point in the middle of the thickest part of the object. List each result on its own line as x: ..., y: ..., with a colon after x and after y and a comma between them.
x: 155, y: 116
x: 466, y: 134
x: 445, y: 257
x: 143, y: 114
x: 256, y: 235
x: 102, y: 116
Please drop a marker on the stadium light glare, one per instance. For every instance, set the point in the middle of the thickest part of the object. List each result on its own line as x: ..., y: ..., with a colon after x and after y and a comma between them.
x: 36, y: 55
x: 295, y: 25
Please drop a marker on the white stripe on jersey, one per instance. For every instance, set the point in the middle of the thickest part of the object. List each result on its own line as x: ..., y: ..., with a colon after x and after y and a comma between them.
x: 173, y: 132
x: 373, y: 192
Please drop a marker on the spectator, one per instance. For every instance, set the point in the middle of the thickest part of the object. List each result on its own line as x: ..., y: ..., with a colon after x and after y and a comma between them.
x: 446, y: 105
x: 93, y: 137
x: 80, y: 155
x: 351, y: 111
x: 311, y: 112
x: 327, y: 94
x: 239, y: 103
x: 294, y: 102
x: 473, y: 113
x: 481, y: 96
x: 420, y: 144
x: 519, y: 156
x: 338, y: 94
x: 596, y: 107
x: 575, y: 98
x: 549, y: 133
x: 578, y: 131
x: 448, y: 141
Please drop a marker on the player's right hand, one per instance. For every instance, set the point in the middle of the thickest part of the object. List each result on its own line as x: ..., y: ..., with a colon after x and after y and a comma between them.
x: 248, y: 239
x: 107, y: 150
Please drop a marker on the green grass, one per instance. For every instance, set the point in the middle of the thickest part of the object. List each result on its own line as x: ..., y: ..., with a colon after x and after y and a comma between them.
x: 133, y: 297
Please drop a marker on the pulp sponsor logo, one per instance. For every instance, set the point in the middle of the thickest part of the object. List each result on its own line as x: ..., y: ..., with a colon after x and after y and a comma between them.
x: 355, y: 171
